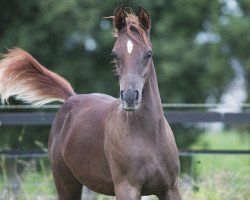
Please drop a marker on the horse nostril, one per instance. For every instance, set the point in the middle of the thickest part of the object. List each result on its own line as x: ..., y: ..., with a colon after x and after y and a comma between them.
x: 122, y: 95
x: 136, y: 95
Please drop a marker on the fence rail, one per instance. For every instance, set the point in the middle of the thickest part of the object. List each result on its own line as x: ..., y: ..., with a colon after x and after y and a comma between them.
x: 164, y: 105
x: 40, y: 117
x: 46, y: 118
x: 182, y: 152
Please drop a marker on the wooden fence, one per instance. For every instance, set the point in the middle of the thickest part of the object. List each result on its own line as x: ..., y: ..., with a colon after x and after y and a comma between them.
x: 46, y: 118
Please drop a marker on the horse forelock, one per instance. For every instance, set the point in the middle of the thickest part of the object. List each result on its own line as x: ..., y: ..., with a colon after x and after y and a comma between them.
x: 133, y: 26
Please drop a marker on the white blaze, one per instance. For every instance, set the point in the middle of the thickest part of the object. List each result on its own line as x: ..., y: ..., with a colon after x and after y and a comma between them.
x: 129, y: 46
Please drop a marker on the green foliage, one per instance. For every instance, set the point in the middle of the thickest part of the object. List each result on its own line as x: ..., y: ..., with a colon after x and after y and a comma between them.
x: 23, y: 137
x: 72, y: 39
x: 55, y: 33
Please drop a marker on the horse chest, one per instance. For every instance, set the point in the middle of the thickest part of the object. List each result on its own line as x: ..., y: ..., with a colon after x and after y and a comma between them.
x: 140, y: 160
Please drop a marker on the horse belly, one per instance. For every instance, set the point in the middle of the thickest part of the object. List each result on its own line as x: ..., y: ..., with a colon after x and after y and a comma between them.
x: 100, y: 184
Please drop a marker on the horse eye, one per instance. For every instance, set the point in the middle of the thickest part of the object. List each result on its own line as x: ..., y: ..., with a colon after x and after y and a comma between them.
x: 149, y: 54
x: 113, y: 54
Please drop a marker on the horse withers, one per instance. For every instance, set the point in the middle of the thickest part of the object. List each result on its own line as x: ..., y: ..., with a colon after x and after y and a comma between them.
x: 122, y: 147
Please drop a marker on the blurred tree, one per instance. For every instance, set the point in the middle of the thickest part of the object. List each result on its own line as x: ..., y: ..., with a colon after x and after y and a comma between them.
x: 194, y: 43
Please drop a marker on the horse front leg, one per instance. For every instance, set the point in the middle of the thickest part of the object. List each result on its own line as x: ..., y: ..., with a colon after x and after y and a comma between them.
x: 173, y: 194
x: 125, y: 191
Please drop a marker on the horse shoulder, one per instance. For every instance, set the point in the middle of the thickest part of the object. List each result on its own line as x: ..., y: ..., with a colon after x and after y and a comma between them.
x: 84, y: 117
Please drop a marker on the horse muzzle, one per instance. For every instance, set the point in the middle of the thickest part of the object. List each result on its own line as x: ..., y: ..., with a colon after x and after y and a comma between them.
x: 130, y: 99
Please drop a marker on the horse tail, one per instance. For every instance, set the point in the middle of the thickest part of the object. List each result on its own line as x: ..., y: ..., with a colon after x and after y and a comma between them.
x: 23, y: 77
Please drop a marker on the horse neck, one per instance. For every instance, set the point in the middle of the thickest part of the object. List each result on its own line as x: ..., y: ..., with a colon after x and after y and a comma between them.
x: 151, y: 95
x: 150, y: 119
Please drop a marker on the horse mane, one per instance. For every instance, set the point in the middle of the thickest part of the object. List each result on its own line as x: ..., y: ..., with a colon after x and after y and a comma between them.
x: 133, y: 25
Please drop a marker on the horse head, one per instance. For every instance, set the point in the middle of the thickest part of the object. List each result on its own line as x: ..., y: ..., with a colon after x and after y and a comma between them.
x: 132, y: 54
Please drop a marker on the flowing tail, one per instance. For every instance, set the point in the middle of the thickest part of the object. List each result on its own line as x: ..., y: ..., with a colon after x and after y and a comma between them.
x: 26, y: 79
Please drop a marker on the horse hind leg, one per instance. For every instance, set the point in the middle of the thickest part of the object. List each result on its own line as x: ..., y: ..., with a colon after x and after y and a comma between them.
x: 68, y: 187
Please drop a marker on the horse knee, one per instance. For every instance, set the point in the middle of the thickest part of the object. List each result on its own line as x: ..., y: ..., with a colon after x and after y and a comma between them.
x: 68, y: 191
x: 124, y: 191
x: 173, y: 194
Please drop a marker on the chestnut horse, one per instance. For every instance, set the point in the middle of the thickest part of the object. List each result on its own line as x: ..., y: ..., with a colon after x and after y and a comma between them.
x: 122, y: 147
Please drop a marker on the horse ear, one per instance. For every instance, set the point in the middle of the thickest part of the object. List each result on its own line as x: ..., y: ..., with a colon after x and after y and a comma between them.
x: 120, y: 17
x: 144, y: 19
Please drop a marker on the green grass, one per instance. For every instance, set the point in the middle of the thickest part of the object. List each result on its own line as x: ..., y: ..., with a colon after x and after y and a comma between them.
x: 221, y: 177
x: 35, y: 184
x: 223, y: 140
x: 218, y: 186
x: 229, y: 163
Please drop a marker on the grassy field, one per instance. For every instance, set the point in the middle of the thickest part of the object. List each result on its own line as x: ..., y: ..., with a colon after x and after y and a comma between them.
x: 228, y: 140
x: 220, y: 177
